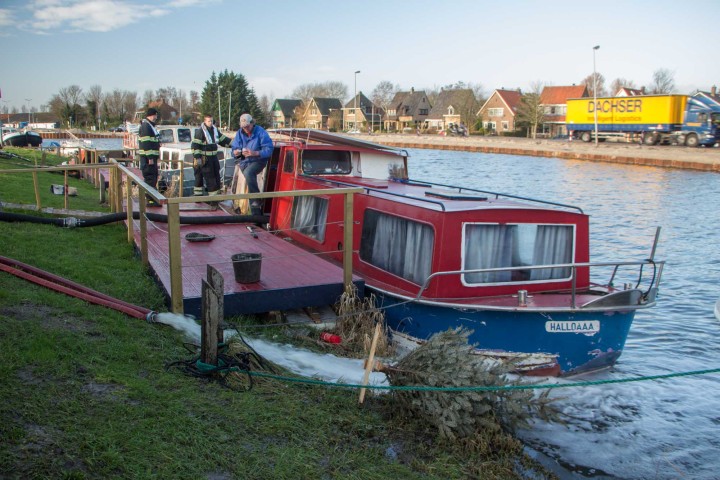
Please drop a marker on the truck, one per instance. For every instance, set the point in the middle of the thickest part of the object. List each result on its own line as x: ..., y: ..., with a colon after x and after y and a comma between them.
x: 650, y: 119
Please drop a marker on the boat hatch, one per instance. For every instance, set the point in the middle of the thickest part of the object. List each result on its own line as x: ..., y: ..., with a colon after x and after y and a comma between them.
x: 455, y: 196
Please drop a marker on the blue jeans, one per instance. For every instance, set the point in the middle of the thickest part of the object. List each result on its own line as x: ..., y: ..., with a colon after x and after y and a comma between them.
x: 250, y: 172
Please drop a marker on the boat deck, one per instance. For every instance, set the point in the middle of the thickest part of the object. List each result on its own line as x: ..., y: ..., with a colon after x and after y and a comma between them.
x: 290, y: 278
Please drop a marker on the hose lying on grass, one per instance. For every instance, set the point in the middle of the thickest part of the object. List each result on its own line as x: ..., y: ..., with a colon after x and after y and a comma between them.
x: 72, y: 222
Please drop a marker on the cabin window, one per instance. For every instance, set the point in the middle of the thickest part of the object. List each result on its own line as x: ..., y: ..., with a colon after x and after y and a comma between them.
x: 184, y: 135
x: 289, y: 164
x: 309, y: 215
x: 166, y: 136
x: 326, y: 162
x: 502, y: 246
x: 398, y: 245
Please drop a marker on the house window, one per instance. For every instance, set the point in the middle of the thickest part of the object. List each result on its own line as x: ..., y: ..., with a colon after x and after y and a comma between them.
x: 391, y: 112
x: 451, y: 111
x: 505, y: 125
x: 516, y: 245
x: 495, y: 112
x: 397, y: 245
x: 313, y: 111
x: 423, y: 111
x: 489, y: 125
x: 309, y: 215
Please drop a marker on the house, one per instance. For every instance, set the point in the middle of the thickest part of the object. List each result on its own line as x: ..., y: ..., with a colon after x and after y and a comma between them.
x: 553, y: 100
x: 323, y: 113
x: 452, y: 107
x: 36, y: 120
x: 711, y: 97
x: 368, y: 114
x: 630, y: 92
x: 499, y: 111
x: 167, y: 114
x: 283, y: 112
x: 408, y: 110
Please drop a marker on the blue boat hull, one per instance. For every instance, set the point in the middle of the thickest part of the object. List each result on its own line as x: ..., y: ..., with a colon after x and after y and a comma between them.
x: 582, y: 341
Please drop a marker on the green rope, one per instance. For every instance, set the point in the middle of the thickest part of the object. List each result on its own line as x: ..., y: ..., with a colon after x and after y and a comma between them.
x: 420, y: 388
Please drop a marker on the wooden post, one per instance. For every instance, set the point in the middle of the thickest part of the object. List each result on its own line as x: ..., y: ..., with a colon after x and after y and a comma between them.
x: 176, y: 287
x: 43, y: 158
x: 38, y: 205
x: 212, y: 313
x: 65, y: 190
x: 348, y: 242
x: 370, y: 361
x: 129, y: 209
x: 143, y: 231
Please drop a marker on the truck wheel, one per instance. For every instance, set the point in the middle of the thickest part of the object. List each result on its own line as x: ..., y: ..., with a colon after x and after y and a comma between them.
x: 650, y: 139
x: 691, y: 140
x: 585, y: 136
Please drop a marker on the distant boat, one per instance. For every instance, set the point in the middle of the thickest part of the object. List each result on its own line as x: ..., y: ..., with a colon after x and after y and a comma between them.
x: 16, y: 138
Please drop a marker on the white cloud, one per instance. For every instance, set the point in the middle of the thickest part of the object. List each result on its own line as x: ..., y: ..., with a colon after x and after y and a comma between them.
x: 6, y: 17
x: 48, y: 16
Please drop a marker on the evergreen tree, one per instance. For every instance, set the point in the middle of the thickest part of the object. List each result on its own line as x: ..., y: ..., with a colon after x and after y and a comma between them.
x: 222, y: 89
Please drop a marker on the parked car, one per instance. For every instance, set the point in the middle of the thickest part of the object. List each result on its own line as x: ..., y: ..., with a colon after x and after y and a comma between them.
x: 119, y: 128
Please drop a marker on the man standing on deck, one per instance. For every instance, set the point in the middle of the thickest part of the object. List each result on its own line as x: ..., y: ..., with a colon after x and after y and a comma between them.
x: 149, y: 151
x: 206, y: 165
x: 253, y: 143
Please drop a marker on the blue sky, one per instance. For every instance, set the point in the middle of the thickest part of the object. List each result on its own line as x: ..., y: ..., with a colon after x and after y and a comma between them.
x: 277, y: 45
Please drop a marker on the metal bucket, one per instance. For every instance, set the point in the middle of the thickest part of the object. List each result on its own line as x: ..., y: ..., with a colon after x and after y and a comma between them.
x: 247, y: 267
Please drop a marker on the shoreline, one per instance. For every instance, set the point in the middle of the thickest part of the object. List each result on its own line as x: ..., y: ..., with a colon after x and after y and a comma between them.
x: 701, y: 158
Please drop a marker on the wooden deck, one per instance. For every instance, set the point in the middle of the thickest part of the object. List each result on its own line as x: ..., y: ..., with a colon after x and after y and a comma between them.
x: 290, y: 278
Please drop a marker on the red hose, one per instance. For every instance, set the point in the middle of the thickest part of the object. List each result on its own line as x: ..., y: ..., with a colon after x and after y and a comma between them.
x: 62, y: 285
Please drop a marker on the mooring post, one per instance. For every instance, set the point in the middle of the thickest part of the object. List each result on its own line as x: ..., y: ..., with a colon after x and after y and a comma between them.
x: 212, y: 315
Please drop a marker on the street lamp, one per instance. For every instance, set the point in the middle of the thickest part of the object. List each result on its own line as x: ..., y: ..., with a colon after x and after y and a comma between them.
x: 219, y: 112
x: 596, y: 47
x: 355, y: 103
x: 28, y: 100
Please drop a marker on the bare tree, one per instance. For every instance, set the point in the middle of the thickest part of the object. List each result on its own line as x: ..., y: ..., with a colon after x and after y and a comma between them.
x: 619, y: 83
x: 588, y: 82
x: 94, y: 99
x: 663, y: 81
x: 265, y: 106
x: 382, y: 95
x: 148, y: 96
x: 329, y: 89
x: 530, y: 111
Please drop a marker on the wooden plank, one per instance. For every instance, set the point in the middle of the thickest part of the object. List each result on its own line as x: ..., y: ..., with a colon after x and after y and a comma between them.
x: 208, y: 332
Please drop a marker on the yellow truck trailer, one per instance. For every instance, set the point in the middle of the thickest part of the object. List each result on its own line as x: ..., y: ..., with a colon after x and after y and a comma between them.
x: 652, y: 119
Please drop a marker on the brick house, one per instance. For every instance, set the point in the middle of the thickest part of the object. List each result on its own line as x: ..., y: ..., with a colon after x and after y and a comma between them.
x: 553, y: 100
x: 368, y: 114
x: 499, y: 111
x: 283, y: 112
x: 407, y: 110
x: 319, y: 112
x: 453, y: 107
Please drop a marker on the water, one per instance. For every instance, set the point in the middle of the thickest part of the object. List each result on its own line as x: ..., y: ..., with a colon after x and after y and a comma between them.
x: 645, y: 430
x: 99, y: 143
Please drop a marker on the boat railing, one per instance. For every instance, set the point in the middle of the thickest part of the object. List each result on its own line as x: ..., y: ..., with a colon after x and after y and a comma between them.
x: 647, y: 296
x: 497, y: 194
x: 368, y: 190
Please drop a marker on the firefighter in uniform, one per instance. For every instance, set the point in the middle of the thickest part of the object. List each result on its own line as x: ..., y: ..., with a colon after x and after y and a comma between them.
x: 149, y: 151
x: 205, y: 160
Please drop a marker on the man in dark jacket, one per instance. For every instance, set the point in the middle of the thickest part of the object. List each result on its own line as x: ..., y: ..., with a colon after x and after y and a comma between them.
x: 149, y: 151
x: 205, y: 160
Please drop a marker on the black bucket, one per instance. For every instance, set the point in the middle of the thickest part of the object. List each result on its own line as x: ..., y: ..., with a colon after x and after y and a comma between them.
x: 247, y: 267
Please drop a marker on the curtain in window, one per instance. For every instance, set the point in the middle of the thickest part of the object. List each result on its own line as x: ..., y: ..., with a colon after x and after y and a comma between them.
x: 310, y: 216
x: 553, y: 244
x: 399, y: 246
x: 489, y: 246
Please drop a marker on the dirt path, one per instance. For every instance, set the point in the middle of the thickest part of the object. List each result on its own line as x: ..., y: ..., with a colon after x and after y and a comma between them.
x: 707, y: 159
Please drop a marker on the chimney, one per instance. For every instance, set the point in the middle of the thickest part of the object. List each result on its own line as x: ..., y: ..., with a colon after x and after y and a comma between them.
x: 713, y: 90
x: 412, y: 89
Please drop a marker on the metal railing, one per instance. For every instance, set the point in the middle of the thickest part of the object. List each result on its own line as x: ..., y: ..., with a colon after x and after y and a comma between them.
x: 653, y: 286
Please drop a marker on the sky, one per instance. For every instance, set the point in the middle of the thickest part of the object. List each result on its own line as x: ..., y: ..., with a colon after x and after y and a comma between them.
x: 136, y: 45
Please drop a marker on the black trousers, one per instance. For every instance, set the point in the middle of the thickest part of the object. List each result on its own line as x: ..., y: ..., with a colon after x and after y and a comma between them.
x: 209, y: 173
x: 149, y: 172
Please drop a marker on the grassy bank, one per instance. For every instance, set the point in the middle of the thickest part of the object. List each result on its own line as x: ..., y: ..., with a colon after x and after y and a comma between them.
x: 85, y: 392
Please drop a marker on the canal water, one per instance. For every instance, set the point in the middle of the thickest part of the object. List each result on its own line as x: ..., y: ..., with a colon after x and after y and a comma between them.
x: 664, y: 429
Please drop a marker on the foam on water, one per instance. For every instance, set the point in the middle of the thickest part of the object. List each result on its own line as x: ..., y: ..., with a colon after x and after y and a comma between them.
x: 327, y: 367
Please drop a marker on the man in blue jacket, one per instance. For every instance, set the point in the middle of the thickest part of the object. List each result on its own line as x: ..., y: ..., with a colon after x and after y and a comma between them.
x: 254, y: 147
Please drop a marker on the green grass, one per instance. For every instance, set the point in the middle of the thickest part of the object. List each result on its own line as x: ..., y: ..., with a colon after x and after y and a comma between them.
x: 84, y: 392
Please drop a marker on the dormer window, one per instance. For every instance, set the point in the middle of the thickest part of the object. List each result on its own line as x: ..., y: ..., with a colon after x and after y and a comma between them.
x: 451, y: 111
